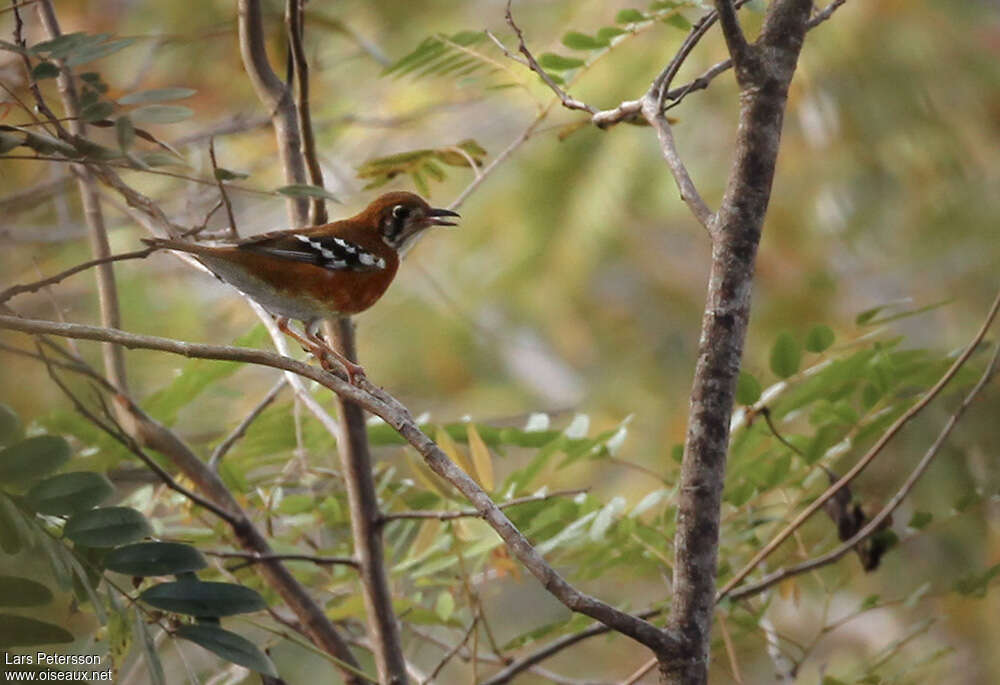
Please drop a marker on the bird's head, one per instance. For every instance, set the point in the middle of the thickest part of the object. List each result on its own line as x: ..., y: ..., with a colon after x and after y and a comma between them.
x: 400, y: 216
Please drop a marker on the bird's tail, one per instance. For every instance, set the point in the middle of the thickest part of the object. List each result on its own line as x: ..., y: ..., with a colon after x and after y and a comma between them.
x: 172, y: 244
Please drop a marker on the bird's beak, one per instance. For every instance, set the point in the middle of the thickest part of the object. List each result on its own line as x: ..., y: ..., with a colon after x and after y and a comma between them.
x: 435, y: 217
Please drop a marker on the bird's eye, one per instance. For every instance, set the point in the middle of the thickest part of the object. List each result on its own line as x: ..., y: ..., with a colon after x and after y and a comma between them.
x: 400, y: 211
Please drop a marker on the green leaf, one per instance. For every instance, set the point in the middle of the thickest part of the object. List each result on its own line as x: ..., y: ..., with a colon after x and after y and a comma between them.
x: 101, y: 109
x: 92, y: 52
x: 9, y: 141
x: 228, y: 645
x: 107, y: 527
x: 155, y: 559
x: 223, y: 174
x: 921, y: 519
x: 819, y: 338
x: 197, y: 598
x: 22, y: 592
x: 156, y: 95
x: 10, y: 423
x: 32, y: 458
x: 785, y: 355
x: 870, y: 602
x: 44, y: 144
x: 161, y: 114
x: 976, y: 584
x: 748, y: 389
x: 196, y: 376
x: 305, y: 190
x: 69, y: 493
x: 678, y: 21
x: 10, y: 527
x: 61, y: 46
x: 444, y: 607
x: 825, y: 438
x: 125, y: 133
x: 581, y: 41
x: 44, y: 70
x: 629, y: 16
x: 550, y: 60
x: 21, y: 631
x: 606, y: 33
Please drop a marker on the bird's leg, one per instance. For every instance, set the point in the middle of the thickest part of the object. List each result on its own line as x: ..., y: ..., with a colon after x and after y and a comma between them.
x: 354, y: 371
x: 316, y: 348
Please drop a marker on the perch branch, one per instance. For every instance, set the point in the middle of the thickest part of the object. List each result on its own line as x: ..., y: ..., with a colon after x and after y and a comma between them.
x: 396, y: 415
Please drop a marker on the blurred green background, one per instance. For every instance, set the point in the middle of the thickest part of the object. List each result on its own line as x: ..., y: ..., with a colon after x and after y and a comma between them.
x: 575, y: 281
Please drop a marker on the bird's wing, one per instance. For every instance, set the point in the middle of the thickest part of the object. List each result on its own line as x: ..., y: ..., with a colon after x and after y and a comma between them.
x: 329, y: 252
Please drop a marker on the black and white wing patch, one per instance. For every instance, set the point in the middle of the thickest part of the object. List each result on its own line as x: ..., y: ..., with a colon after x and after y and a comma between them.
x: 329, y: 252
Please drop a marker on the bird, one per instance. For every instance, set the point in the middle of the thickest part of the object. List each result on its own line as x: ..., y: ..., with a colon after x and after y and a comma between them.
x: 322, y: 272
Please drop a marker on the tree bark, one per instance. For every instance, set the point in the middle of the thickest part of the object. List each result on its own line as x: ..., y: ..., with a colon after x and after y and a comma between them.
x: 764, y: 70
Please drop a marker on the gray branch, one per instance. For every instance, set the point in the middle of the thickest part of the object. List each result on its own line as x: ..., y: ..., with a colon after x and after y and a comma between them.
x: 767, y: 68
x: 107, y: 290
x: 390, y: 410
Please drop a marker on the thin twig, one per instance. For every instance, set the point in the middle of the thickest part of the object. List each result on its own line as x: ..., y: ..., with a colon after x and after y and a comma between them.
x: 107, y: 288
x: 241, y: 429
x: 879, y: 519
x: 727, y: 641
x: 528, y: 661
x: 468, y: 513
x: 257, y: 557
x: 295, y: 23
x: 639, y: 672
x: 567, y: 100
x: 398, y: 416
x: 689, y: 193
x: 35, y: 286
x: 739, y: 49
x: 233, y: 233
x: 452, y: 652
x: 497, y: 161
x: 867, y: 458
x: 131, y: 445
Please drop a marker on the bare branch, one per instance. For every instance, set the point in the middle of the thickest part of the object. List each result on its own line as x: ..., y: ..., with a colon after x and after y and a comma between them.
x: 233, y: 233
x: 496, y: 162
x: 567, y: 100
x: 107, y: 289
x: 528, y: 662
x: 880, y: 519
x: 689, y: 193
x: 257, y: 557
x: 450, y: 654
x: 295, y: 22
x: 241, y: 429
x: 132, y: 446
x: 396, y: 415
x: 468, y: 513
x: 740, y: 50
x: 863, y: 462
x: 277, y: 98
x: 298, y: 152
x: 640, y: 672
x: 62, y: 275
x: 737, y: 228
x: 359, y: 481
